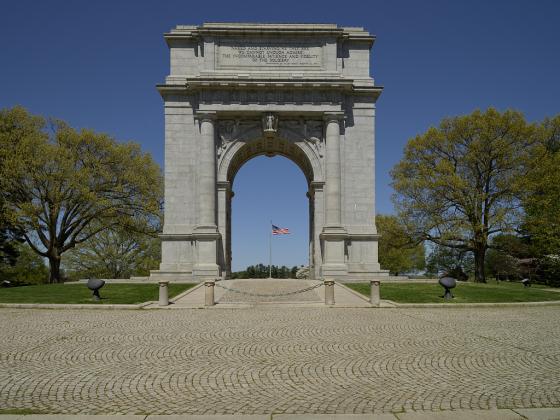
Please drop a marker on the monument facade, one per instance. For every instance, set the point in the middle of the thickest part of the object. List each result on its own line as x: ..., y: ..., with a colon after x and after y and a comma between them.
x: 236, y: 91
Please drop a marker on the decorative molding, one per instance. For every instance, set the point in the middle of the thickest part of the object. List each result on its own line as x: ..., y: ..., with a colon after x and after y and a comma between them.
x: 310, y: 131
x: 223, y: 185
x: 337, y: 116
x: 176, y: 236
x: 206, y: 116
x: 317, y: 185
x: 230, y: 131
x: 266, y: 96
x: 293, y: 130
x: 363, y: 236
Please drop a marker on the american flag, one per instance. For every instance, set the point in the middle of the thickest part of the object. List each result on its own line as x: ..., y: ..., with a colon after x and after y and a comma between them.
x: 279, y: 231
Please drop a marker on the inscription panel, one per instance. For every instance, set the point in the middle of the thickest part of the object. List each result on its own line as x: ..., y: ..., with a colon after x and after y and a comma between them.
x: 249, y: 54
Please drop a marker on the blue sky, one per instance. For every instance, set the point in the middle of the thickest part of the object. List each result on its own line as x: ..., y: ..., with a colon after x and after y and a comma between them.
x: 95, y: 64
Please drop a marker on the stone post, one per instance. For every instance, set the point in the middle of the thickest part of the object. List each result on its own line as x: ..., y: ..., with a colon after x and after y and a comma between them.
x: 374, y: 297
x: 163, y: 293
x: 329, y: 292
x: 209, y: 293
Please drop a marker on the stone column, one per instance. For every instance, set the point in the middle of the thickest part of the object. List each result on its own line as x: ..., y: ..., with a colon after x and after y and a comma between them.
x: 206, y: 232
x: 334, y: 234
x: 207, y: 172
x: 332, y: 169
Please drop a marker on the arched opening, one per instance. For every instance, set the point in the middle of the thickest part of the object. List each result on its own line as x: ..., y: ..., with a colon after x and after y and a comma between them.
x: 295, y: 171
x: 269, y: 189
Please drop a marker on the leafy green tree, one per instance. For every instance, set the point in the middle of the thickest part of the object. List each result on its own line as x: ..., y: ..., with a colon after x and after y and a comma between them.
x: 10, y: 237
x: 459, y: 184
x: 542, y: 199
x: 115, y: 254
x: 501, y: 265
x: 261, y: 271
x: 28, y: 268
x: 250, y: 272
x: 398, y: 252
x: 293, y: 272
x: 450, y: 261
x: 239, y: 275
x: 516, y: 246
x: 20, y: 132
x: 548, y: 270
x: 503, y: 257
x: 63, y: 186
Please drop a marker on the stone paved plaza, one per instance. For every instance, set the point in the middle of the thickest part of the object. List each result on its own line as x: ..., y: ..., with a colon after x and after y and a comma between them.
x: 279, y: 360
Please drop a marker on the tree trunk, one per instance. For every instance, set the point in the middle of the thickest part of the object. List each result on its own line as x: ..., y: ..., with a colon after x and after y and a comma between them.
x: 54, y: 264
x: 479, y: 257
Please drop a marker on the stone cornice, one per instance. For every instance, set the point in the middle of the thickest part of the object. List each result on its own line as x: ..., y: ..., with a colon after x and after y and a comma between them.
x: 340, y: 85
x: 176, y: 236
x: 206, y: 115
x: 194, y: 33
x: 363, y: 236
x: 291, y: 82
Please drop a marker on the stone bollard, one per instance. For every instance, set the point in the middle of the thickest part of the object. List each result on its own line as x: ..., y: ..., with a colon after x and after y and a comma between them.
x: 374, y: 296
x: 163, y: 293
x: 209, y: 293
x: 329, y: 292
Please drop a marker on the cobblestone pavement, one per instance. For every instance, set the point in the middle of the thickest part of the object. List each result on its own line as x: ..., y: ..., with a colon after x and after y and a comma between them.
x: 281, y: 360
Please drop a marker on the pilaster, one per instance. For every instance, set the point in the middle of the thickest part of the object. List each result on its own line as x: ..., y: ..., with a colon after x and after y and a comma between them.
x: 206, y: 231
x: 333, y: 234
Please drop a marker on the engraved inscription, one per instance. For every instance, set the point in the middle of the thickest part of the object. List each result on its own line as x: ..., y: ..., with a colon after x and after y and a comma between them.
x: 252, y: 55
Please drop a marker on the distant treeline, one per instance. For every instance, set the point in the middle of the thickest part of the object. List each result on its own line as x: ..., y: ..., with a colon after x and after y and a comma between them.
x: 261, y: 271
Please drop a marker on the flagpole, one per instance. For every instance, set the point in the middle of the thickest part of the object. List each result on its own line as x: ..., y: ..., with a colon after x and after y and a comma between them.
x: 270, y: 252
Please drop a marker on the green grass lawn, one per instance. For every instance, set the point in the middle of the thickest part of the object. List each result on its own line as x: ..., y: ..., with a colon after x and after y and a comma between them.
x: 20, y: 411
x: 464, y: 292
x: 116, y: 293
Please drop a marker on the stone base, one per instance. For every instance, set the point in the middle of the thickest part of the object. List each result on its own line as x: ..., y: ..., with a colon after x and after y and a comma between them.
x: 334, y: 271
x: 202, y: 272
x: 172, y: 276
x: 364, y: 277
x: 198, y: 275
x: 364, y: 272
x: 340, y: 273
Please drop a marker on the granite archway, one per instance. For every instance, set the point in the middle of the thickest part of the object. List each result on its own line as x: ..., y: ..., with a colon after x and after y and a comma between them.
x: 236, y: 91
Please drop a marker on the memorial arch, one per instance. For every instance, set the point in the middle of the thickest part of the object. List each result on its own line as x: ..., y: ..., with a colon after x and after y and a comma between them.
x: 236, y: 91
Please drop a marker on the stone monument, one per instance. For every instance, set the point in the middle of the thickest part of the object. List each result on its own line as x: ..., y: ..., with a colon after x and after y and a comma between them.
x: 236, y: 91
